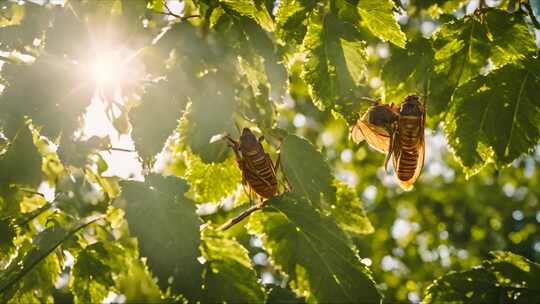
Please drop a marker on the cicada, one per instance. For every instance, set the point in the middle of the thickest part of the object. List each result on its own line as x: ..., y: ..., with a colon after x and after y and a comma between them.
x: 377, y: 127
x: 258, y: 170
x: 397, y: 131
x: 408, y: 143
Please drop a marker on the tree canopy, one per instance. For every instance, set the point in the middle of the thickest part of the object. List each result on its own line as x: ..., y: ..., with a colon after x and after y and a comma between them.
x: 115, y: 178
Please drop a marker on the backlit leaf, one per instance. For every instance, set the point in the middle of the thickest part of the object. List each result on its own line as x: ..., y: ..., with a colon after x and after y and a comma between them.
x: 229, y: 276
x: 313, y: 251
x: 254, y: 9
x: 503, y: 278
x: 307, y: 171
x: 335, y: 63
x: 167, y: 228
x: 496, y: 118
x: 27, y: 267
x: 378, y: 17
x: 462, y: 48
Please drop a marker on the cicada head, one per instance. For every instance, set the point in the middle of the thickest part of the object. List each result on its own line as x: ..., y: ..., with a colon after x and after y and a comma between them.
x: 248, y: 140
x: 381, y: 116
x: 412, y: 106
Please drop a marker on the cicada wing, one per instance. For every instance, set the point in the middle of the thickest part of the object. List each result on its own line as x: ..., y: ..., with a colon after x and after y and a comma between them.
x: 375, y: 136
x: 356, y: 134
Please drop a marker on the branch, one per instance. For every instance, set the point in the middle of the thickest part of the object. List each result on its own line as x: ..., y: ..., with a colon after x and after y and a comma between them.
x: 241, y: 216
x: 170, y: 13
x: 531, y: 15
x: 121, y: 150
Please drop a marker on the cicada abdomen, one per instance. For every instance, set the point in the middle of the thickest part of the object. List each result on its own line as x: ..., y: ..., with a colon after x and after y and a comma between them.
x: 408, y: 145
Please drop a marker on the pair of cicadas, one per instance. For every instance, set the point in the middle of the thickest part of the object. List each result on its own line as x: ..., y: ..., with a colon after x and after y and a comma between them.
x: 397, y: 131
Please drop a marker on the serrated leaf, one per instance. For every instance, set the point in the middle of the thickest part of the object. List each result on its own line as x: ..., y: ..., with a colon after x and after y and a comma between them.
x: 29, y: 94
x: 211, y: 182
x: 313, y: 251
x: 32, y: 25
x: 253, y: 9
x: 439, y: 7
x: 378, y: 17
x: 462, y: 48
x: 155, y: 119
x: 7, y: 234
x: 307, y: 171
x: 334, y: 64
x: 408, y: 70
x: 137, y: 284
x: 167, y: 228
x: 348, y: 211
x: 21, y: 164
x: 496, y: 117
x: 281, y: 295
x: 229, y: 275
x: 92, y: 274
x: 28, y: 264
x: 503, y: 278
x: 291, y: 20
x: 210, y: 113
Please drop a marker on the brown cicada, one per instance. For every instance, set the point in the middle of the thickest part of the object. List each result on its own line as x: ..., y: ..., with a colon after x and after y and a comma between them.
x: 259, y: 173
x: 408, y: 143
x: 258, y: 170
x: 397, y: 131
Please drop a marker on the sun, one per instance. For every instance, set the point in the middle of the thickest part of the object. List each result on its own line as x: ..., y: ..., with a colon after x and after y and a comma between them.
x: 107, y: 69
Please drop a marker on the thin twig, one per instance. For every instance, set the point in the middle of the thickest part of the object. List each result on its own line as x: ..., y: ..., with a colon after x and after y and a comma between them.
x: 530, y: 11
x: 121, y: 150
x: 241, y: 216
x: 170, y: 13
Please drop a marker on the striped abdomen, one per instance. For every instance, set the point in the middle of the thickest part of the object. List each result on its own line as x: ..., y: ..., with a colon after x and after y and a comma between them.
x: 409, y: 135
x: 259, y: 172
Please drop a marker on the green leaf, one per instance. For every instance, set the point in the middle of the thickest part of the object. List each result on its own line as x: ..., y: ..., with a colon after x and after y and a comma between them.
x: 137, y: 284
x: 462, y: 48
x: 503, y: 278
x: 28, y: 264
x: 378, y: 17
x: 307, y: 171
x: 291, y: 17
x: 158, y: 101
x: 21, y: 164
x: 92, y: 274
x: 279, y: 295
x: 167, y: 228
x: 210, y: 113
x: 313, y: 251
x: 211, y: 182
x: 253, y: 9
x: 335, y: 63
x: 34, y: 20
x: 408, y: 70
x: 57, y: 111
x: 496, y: 118
x: 535, y: 6
x: 229, y: 275
x: 348, y: 211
